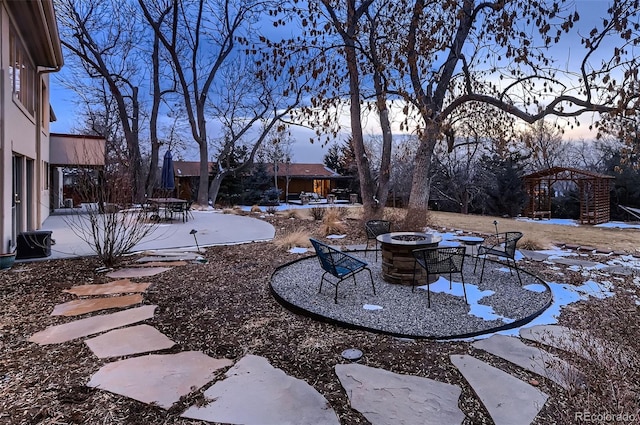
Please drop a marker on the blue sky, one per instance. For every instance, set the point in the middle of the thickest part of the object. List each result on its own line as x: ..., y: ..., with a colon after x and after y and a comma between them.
x: 590, y: 11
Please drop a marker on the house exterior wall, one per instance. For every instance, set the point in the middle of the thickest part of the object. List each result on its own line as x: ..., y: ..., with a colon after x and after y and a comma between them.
x: 24, y: 123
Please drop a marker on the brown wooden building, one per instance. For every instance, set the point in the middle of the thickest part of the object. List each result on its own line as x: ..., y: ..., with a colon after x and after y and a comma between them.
x: 187, y: 178
x: 594, y: 191
x: 308, y: 178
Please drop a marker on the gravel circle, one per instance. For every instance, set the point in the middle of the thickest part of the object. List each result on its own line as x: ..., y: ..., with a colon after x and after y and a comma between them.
x: 396, y: 310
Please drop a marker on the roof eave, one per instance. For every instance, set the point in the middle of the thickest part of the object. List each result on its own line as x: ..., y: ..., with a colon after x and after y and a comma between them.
x: 44, y: 42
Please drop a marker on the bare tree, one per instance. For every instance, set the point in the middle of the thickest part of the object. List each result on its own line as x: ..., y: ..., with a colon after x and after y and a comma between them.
x: 203, y: 40
x: 104, y: 37
x: 109, y: 222
x: 251, y: 106
x: 277, y: 151
x: 452, y: 53
x: 345, y: 65
x: 544, y: 143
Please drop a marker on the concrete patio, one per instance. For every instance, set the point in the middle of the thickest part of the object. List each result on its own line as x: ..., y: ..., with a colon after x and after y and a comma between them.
x: 213, y: 228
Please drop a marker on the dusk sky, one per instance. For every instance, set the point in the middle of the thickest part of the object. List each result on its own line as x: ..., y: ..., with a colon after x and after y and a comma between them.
x: 62, y: 100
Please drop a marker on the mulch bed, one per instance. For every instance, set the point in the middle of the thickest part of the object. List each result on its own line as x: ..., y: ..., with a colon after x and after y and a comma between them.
x: 225, y: 309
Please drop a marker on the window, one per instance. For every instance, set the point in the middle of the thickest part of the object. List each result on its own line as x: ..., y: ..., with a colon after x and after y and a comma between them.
x: 46, y: 173
x: 44, y: 106
x: 22, y: 73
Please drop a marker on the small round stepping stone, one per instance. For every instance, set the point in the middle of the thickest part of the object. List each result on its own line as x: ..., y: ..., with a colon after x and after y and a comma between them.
x: 352, y: 354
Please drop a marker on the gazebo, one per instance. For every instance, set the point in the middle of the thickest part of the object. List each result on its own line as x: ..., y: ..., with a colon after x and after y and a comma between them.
x: 593, y: 190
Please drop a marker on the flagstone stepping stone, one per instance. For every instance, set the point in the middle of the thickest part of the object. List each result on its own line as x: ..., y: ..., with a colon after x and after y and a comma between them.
x: 533, y: 359
x: 133, y: 272
x: 533, y: 255
x: 158, y: 378
x: 92, y: 325
x: 128, y: 341
x: 169, y: 256
x: 172, y: 263
x: 618, y: 270
x: 508, y: 399
x: 254, y: 392
x: 158, y: 258
x: 574, y: 262
x: 116, y: 287
x: 563, y: 338
x: 384, y: 397
x: 78, y: 307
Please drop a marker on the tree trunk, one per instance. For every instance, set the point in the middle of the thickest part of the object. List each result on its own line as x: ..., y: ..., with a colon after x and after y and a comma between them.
x: 421, y: 183
x: 152, y: 177
x: 133, y: 146
x: 215, y: 185
x: 203, y: 187
x: 367, y: 192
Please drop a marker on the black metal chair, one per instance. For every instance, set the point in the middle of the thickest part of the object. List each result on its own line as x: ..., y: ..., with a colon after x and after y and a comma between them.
x: 505, y: 247
x: 188, y: 212
x: 338, y: 264
x: 449, y: 259
x: 178, y: 208
x: 375, y: 228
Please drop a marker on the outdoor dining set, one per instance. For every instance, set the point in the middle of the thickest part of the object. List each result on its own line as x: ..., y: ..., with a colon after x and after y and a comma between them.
x: 166, y: 208
x: 415, y: 258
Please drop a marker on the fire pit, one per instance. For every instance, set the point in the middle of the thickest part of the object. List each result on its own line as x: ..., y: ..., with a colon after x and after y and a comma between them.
x: 397, y: 259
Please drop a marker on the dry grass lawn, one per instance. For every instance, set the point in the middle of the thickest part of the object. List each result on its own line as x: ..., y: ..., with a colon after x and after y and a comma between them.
x: 614, y: 239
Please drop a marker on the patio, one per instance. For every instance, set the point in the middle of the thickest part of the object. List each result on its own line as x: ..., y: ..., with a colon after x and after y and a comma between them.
x: 498, y: 303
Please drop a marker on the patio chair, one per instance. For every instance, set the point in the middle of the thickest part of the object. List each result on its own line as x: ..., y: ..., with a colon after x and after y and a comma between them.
x: 449, y: 259
x: 505, y: 247
x: 178, y: 208
x: 374, y: 228
x: 338, y: 264
x: 188, y: 212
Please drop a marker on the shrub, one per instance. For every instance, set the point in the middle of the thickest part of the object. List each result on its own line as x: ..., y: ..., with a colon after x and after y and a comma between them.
x: 256, y: 209
x: 332, y: 222
x: 271, y: 209
x: 317, y: 212
x: 343, y: 212
x: 394, y: 215
x: 415, y: 220
x: 292, y: 239
x: 332, y: 228
x: 533, y: 245
x: 109, y: 232
x: 271, y: 197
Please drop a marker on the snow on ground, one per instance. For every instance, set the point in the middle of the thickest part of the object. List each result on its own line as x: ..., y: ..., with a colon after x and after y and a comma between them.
x: 563, y: 294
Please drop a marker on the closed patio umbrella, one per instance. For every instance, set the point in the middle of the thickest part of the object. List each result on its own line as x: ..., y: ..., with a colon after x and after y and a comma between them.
x: 167, y: 179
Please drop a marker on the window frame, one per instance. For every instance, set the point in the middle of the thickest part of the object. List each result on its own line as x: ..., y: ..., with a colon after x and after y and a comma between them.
x: 22, y: 73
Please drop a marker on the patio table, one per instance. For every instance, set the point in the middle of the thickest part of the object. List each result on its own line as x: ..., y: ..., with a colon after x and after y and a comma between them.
x: 471, y: 241
x: 166, y: 203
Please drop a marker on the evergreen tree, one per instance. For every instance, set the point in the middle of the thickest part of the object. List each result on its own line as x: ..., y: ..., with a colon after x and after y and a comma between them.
x: 502, y: 185
x: 256, y: 185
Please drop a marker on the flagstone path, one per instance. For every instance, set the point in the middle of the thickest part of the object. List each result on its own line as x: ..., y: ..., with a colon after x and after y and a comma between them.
x: 83, y: 306
x: 563, y: 338
x: 508, y: 399
x: 252, y: 391
x: 533, y: 359
x: 158, y: 378
x: 92, y: 325
x: 116, y: 287
x: 133, y: 272
x: 127, y: 341
x: 384, y: 397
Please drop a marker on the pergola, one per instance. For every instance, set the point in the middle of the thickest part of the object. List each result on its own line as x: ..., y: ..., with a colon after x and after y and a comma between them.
x: 593, y: 190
